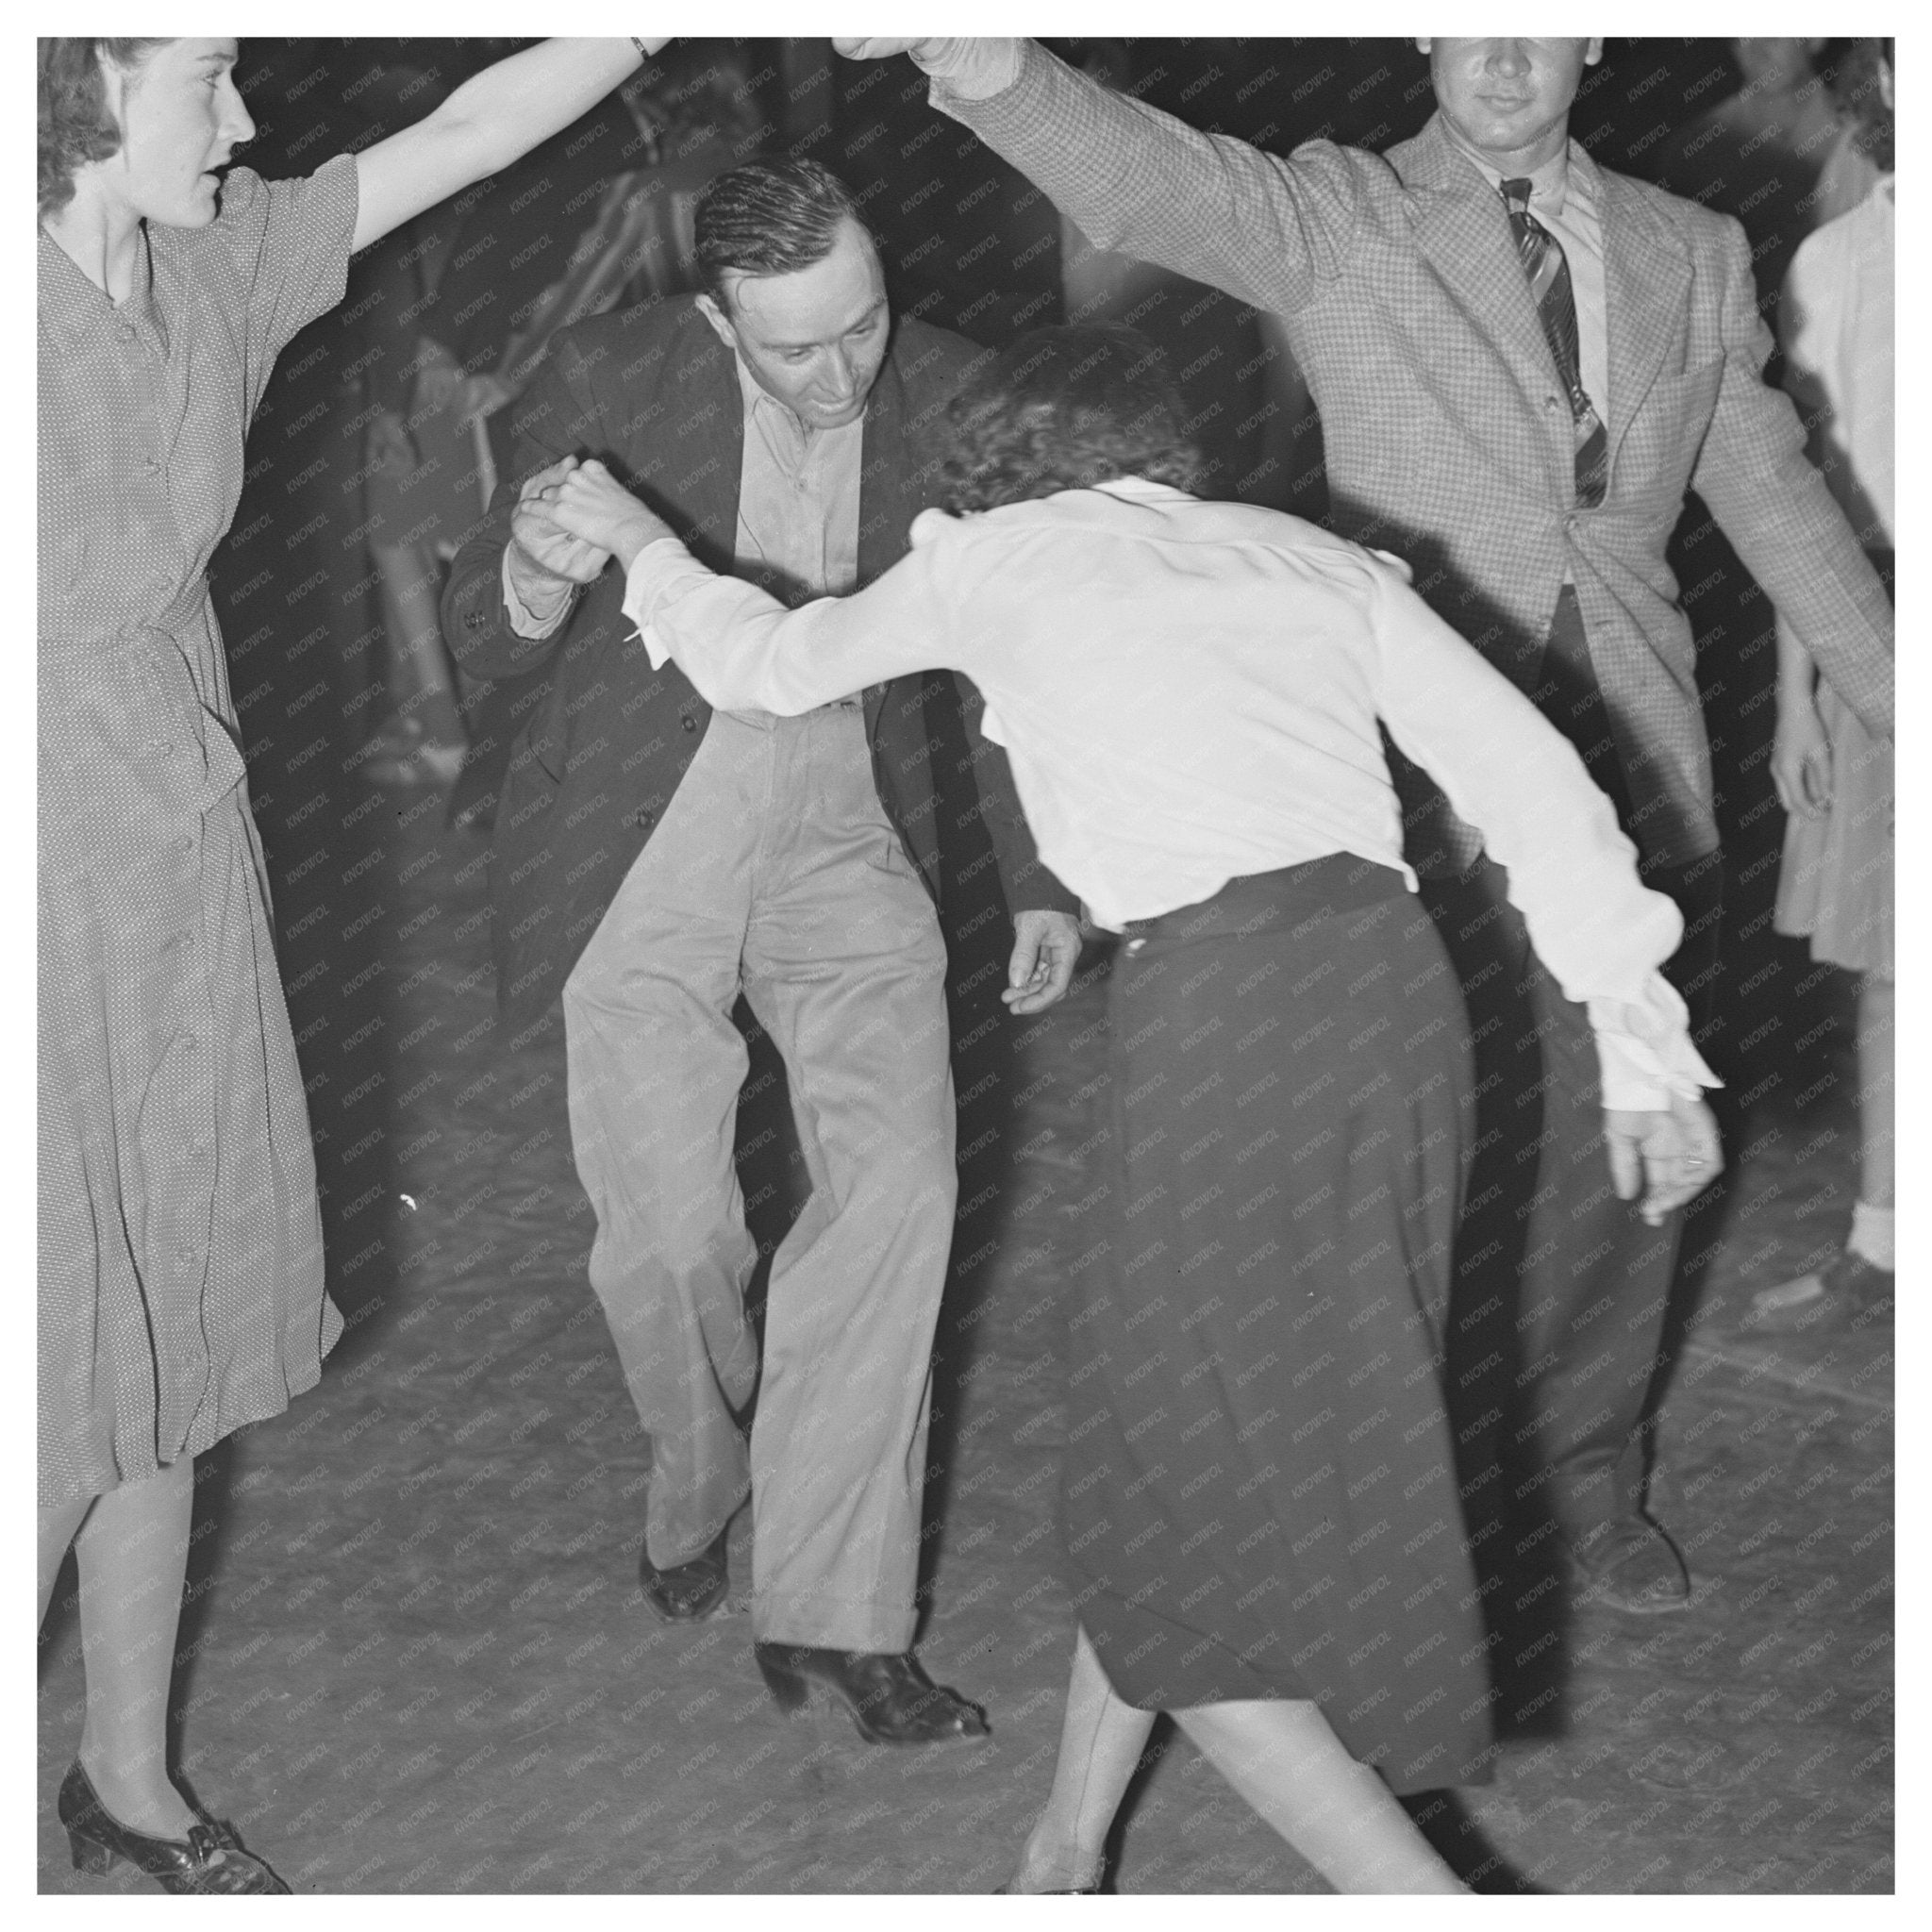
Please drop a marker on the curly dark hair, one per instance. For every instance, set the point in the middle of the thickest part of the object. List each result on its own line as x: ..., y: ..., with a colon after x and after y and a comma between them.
x: 1065, y: 409
x: 770, y: 217
x: 75, y: 125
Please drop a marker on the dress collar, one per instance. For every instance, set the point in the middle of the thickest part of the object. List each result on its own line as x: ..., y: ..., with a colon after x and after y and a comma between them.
x: 72, y: 305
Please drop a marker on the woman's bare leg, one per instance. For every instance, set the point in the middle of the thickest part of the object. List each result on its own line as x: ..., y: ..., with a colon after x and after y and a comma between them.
x: 1878, y: 1158
x: 133, y: 1555
x: 1101, y: 1742
x: 58, y: 1528
x: 1286, y: 1761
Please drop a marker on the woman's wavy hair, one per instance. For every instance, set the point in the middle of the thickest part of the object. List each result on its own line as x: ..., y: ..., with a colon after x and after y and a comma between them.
x: 75, y: 126
x: 1065, y: 409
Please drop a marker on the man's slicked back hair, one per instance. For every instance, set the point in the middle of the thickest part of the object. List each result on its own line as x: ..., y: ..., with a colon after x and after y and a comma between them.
x: 771, y: 217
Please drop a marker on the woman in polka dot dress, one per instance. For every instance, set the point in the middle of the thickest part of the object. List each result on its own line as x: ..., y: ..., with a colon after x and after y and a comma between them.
x: 180, y: 1249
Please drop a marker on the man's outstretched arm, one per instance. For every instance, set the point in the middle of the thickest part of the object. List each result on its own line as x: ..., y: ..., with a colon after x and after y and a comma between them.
x: 1271, y: 232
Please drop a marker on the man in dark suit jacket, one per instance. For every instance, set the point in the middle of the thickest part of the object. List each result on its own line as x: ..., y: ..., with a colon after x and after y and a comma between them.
x: 1533, y: 502
x: 654, y: 859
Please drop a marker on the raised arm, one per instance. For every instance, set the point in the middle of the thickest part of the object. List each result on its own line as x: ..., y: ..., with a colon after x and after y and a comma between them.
x: 1269, y: 231
x: 485, y: 124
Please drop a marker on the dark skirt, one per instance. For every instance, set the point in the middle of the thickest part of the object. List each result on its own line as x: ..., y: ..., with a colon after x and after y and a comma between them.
x: 1259, y: 1496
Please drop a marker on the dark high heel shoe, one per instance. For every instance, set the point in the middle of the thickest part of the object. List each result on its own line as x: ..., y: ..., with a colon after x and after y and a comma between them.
x: 891, y: 1699
x: 210, y: 1860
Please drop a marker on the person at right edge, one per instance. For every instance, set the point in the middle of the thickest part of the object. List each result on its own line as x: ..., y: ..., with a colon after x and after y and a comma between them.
x: 1835, y: 886
x: 1522, y: 361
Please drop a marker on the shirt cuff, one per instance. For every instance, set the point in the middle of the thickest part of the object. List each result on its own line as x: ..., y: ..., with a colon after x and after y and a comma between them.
x: 971, y: 68
x: 525, y: 622
x: 1644, y: 1051
x: 662, y: 570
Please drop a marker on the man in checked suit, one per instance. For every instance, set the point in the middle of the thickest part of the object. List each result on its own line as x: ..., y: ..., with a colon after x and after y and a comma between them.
x: 1531, y: 484
x: 653, y: 858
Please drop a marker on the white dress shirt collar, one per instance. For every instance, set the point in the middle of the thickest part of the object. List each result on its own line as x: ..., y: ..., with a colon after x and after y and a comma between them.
x: 1549, y: 185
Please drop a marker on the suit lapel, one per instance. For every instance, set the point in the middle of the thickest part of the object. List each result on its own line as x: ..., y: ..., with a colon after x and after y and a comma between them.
x: 885, y: 510
x: 1462, y: 229
x: 884, y: 513
x: 700, y: 386
x: 1646, y: 289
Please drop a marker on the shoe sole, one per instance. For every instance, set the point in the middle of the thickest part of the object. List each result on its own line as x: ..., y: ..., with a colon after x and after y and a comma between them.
x: 666, y: 1614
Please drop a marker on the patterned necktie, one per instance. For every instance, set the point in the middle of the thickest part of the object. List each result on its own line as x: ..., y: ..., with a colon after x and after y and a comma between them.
x: 1555, y: 306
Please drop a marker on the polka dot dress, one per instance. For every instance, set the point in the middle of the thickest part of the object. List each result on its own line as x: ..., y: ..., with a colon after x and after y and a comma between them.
x: 180, y: 1244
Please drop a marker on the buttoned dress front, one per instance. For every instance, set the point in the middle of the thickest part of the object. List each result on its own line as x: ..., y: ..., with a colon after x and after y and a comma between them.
x: 179, y: 1239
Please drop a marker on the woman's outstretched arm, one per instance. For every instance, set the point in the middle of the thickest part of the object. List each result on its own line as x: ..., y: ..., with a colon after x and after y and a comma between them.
x: 485, y: 124
x: 741, y: 647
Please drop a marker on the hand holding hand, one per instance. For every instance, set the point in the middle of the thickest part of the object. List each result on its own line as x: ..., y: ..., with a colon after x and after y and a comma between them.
x: 1045, y: 947
x: 1670, y: 1156
x: 544, y: 543
x: 876, y: 49
x: 1801, y: 760
x: 595, y: 508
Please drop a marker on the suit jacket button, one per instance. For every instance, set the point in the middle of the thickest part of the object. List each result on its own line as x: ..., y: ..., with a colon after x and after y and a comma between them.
x: 690, y: 723
x: 641, y: 817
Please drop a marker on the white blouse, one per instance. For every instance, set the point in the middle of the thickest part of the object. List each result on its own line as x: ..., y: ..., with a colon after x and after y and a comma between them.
x: 1188, y: 692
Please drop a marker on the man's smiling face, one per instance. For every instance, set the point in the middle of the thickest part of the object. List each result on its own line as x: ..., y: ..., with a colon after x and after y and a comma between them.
x: 815, y: 339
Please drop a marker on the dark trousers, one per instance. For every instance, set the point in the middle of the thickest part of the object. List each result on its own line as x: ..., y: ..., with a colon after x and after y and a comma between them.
x: 1559, y: 1293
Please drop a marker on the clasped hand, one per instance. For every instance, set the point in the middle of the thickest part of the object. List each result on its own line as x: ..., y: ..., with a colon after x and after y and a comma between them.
x: 880, y: 49
x: 573, y: 517
x: 593, y: 506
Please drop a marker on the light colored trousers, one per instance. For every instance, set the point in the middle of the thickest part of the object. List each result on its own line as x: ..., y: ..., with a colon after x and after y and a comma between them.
x: 775, y: 871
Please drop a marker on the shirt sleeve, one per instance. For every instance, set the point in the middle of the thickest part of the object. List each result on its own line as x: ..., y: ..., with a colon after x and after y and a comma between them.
x: 1271, y: 232
x: 745, y: 651
x: 290, y: 242
x: 1573, y: 873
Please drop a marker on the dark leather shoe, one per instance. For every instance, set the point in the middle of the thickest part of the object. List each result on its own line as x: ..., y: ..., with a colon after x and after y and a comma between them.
x: 686, y: 1592
x: 208, y: 1861
x: 891, y: 1699
x: 1850, y: 1295
x: 1630, y: 1565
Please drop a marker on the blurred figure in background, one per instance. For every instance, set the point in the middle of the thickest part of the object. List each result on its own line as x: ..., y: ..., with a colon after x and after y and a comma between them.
x: 599, y: 217
x: 1833, y: 778
x: 409, y: 498
x: 1776, y: 154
